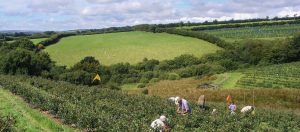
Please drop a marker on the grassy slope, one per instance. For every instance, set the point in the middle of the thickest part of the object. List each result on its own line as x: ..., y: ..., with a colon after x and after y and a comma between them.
x: 281, y: 77
x: 27, y: 119
x: 228, y: 80
x: 264, y: 32
x: 36, y: 41
x: 129, y: 47
x: 274, y: 76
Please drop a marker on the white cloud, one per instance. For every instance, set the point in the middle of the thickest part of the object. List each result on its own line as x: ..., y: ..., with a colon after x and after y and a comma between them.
x: 76, y: 14
x: 104, y: 1
x: 289, y: 11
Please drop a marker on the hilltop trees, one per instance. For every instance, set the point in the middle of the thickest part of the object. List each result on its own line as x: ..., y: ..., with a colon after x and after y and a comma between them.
x: 20, y: 57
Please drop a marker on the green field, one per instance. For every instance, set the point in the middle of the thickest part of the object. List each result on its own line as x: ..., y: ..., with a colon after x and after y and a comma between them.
x: 256, y: 32
x: 209, y: 25
x: 36, y: 41
x: 275, y: 76
x: 227, y: 80
x: 27, y: 119
x: 129, y: 47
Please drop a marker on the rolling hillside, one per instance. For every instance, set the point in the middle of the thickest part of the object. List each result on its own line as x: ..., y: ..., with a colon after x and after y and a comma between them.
x: 129, y: 47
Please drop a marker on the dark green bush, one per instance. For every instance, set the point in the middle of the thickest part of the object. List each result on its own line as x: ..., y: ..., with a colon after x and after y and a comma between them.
x: 142, y: 85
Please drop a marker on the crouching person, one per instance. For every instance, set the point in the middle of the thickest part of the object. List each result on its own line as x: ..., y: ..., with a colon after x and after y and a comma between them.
x: 160, y: 125
x: 183, y: 107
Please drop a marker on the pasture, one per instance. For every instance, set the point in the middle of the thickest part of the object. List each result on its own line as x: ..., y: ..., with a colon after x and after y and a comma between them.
x: 37, y: 41
x: 129, y: 47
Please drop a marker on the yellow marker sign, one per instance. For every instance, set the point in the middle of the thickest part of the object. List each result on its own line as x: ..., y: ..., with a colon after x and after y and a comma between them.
x: 97, y: 77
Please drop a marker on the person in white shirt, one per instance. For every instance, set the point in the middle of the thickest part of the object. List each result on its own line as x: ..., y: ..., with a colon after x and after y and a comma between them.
x: 160, y: 125
x: 247, y: 109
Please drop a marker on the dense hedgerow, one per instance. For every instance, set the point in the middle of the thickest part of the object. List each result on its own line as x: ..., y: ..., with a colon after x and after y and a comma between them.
x: 93, y: 108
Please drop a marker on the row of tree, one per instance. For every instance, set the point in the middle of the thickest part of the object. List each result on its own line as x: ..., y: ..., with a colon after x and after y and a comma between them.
x: 200, y: 35
x: 214, y: 22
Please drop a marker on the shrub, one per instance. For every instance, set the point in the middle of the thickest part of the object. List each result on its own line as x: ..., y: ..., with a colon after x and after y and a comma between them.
x: 145, y: 91
x: 112, y: 86
x: 142, y: 85
x: 153, y: 80
x: 144, y: 80
x: 173, y: 76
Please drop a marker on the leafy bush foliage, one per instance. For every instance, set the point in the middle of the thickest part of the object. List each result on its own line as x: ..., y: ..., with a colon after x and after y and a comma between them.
x: 91, y: 108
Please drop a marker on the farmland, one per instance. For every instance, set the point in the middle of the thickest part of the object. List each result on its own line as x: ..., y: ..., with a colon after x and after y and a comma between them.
x: 102, y: 109
x: 36, y: 41
x: 256, y: 32
x: 129, y: 47
x: 263, y: 98
x: 276, y: 76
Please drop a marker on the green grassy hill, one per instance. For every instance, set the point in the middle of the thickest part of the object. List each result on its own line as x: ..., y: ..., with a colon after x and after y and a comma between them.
x: 36, y: 41
x: 275, y: 76
x: 256, y: 32
x: 129, y: 47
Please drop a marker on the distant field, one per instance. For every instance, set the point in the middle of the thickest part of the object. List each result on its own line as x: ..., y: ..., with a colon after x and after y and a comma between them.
x: 272, y: 21
x: 256, y: 32
x: 227, y: 80
x: 129, y: 47
x: 241, y: 39
x: 275, y: 76
x: 36, y: 41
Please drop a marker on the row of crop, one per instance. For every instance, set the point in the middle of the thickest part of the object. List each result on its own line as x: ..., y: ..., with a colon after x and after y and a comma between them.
x: 7, y: 123
x: 277, y: 76
x: 256, y: 32
x: 239, y: 25
x: 92, y: 108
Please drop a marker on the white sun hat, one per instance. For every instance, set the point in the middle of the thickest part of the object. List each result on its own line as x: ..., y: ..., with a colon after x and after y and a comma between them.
x: 177, y: 100
x: 163, y: 118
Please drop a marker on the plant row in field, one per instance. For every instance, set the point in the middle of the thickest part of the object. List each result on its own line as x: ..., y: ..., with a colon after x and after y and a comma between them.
x: 276, y: 76
x: 93, y: 108
x: 257, y: 32
x: 6, y: 123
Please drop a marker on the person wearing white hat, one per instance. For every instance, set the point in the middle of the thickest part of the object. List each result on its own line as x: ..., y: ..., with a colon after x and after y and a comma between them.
x: 160, y: 125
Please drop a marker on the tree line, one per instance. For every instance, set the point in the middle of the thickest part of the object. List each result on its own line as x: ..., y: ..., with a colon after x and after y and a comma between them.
x: 241, y: 25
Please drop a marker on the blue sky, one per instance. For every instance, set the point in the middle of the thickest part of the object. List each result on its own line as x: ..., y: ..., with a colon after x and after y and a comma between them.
x: 86, y: 14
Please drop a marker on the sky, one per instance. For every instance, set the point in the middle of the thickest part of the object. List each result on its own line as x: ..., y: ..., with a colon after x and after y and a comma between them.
x: 59, y: 15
